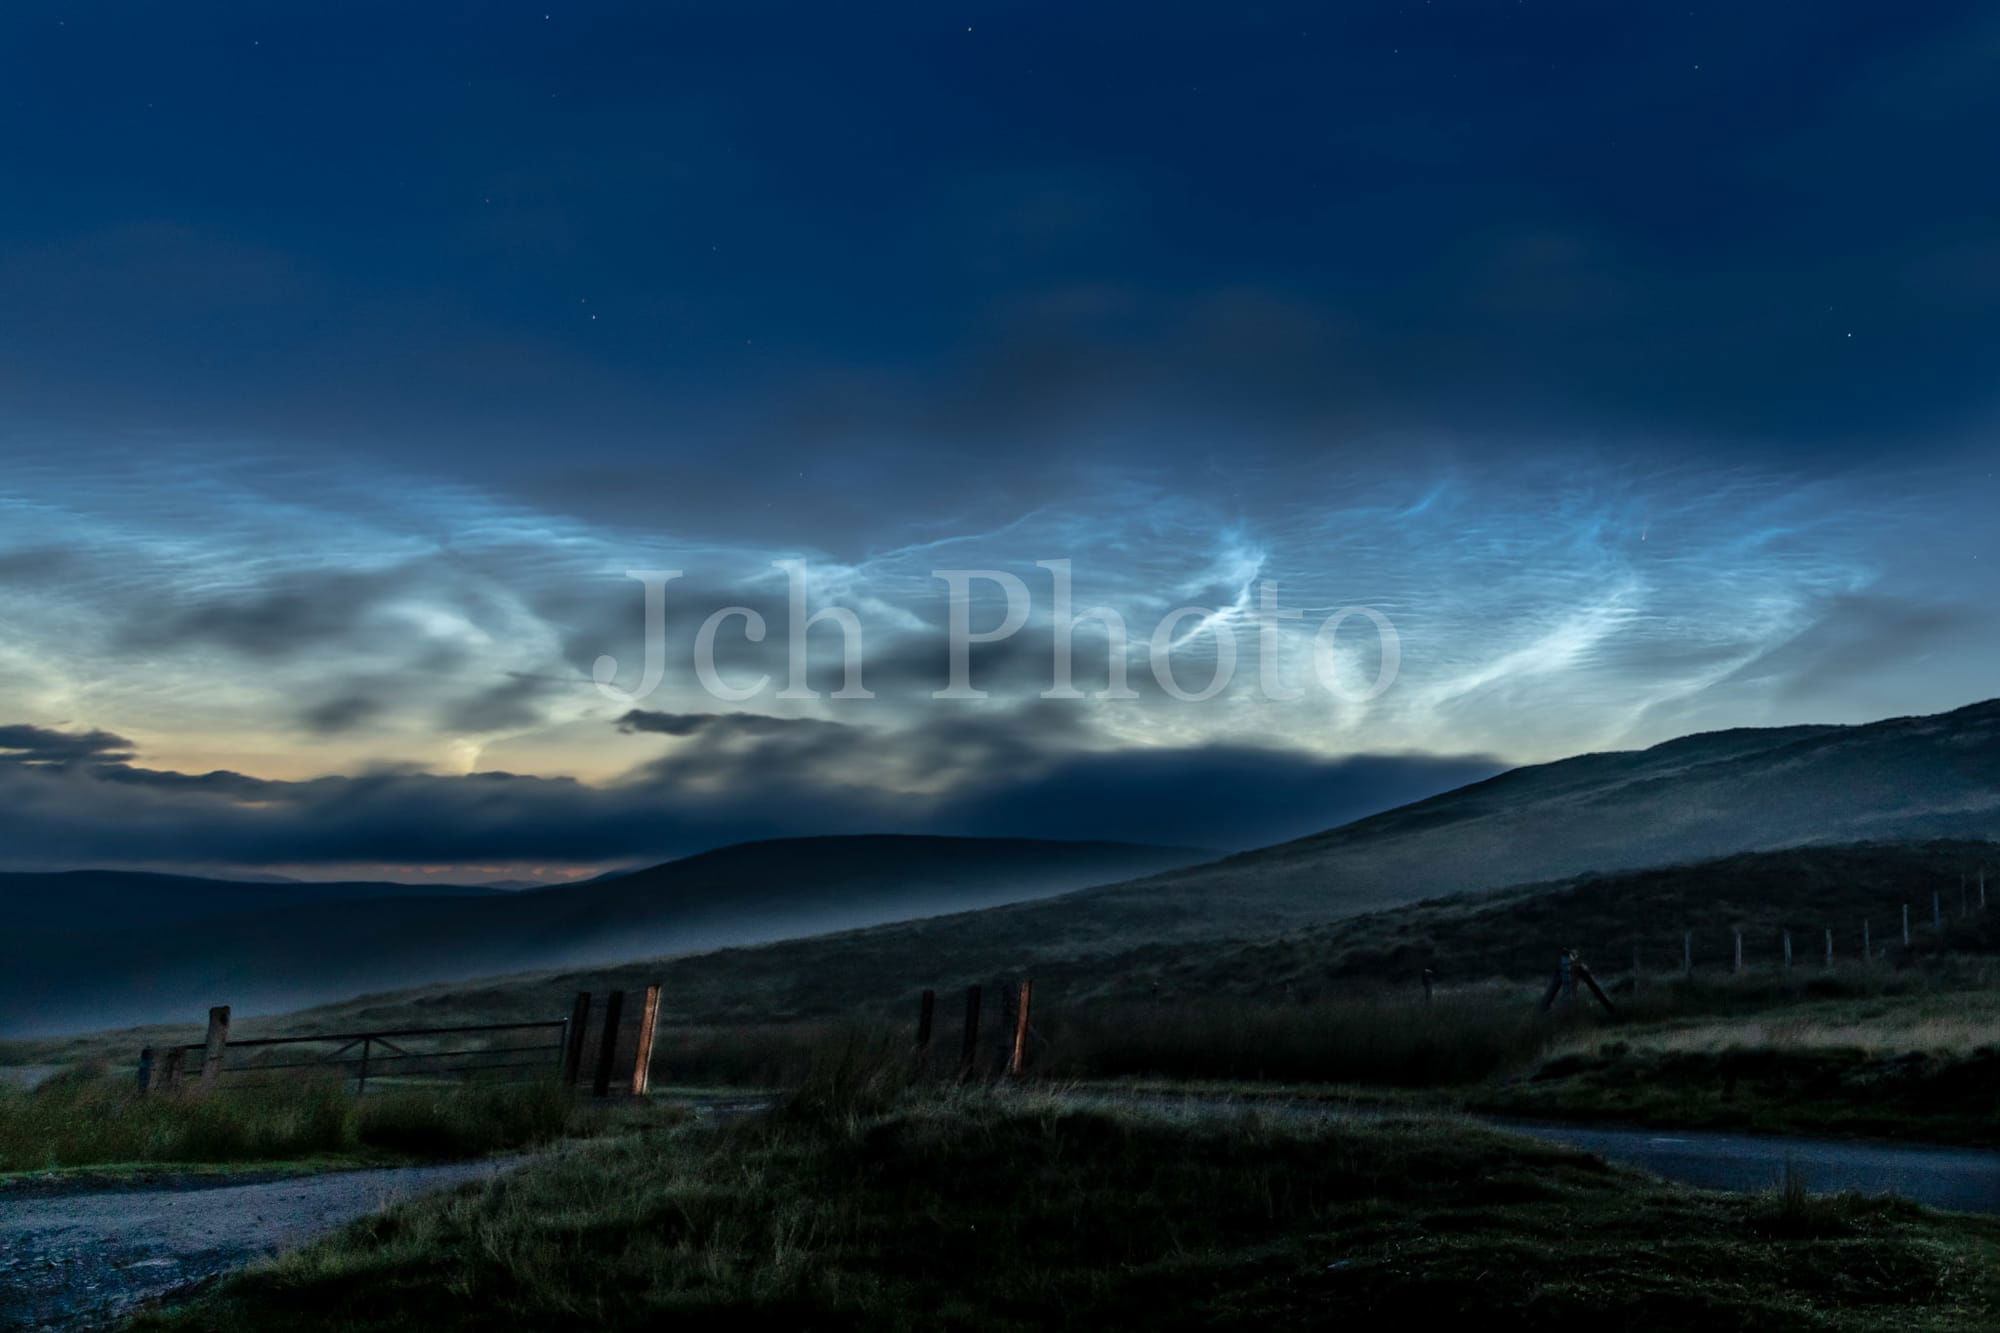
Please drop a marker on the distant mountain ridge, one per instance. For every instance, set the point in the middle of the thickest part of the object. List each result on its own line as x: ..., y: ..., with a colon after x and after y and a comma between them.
x: 108, y: 947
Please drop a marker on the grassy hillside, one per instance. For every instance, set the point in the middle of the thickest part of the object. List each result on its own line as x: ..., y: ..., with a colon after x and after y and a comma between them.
x: 1512, y: 935
x: 1016, y: 1213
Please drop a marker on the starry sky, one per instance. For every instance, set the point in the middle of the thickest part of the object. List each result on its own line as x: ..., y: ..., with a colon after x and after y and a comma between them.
x: 1635, y: 361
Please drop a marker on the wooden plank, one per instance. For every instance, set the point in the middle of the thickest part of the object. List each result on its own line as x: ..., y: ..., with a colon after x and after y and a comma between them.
x: 213, y: 1046
x: 1017, y: 1054
x: 572, y: 1053
x: 969, y: 1054
x: 642, y: 1057
x: 607, y: 1044
x: 1583, y: 973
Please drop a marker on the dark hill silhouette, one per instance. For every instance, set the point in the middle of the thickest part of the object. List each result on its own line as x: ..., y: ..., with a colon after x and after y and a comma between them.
x: 263, y: 947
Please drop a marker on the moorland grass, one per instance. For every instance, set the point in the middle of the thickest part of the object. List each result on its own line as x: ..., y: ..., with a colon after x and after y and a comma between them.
x: 867, y: 1204
x: 86, y: 1118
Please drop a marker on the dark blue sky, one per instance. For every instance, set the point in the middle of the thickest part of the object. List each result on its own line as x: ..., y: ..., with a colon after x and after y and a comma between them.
x: 385, y: 337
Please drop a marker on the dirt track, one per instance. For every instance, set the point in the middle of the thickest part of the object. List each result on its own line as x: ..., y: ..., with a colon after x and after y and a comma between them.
x: 84, y: 1256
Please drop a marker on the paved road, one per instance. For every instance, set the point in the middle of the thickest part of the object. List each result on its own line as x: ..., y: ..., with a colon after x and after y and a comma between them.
x: 84, y: 1260
x: 1961, y: 1179
x: 1966, y: 1180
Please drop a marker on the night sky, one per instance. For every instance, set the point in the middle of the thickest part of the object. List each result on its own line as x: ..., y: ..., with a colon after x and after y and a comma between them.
x: 1636, y: 361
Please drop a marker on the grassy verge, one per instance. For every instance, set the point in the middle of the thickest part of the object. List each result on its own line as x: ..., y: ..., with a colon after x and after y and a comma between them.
x: 1923, y: 1066
x: 949, y: 1210
x: 85, y: 1119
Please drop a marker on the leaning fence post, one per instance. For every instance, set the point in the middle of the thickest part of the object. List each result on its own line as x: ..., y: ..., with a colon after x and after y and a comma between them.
x: 212, y: 1046
x: 1017, y: 1055
x: 607, y: 1044
x: 572, y: 1052
x: 926, y: 1017
x: 1738, y: 967
x: 969, y: 1054
x: 649, y: 1021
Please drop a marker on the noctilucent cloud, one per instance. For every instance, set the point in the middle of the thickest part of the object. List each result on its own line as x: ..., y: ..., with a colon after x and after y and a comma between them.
x: 1635, y: 363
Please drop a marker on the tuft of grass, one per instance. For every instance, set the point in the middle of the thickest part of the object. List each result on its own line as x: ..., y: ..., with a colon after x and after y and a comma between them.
x: 957, y: 1208
x: 84, y: 1117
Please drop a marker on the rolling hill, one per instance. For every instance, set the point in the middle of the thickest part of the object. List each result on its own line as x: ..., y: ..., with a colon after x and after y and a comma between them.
x: 262, y: 947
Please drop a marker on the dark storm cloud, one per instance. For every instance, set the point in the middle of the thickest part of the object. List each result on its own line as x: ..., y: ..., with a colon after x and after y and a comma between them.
x: 296, y: 614
x: 709, y: 724
x: 1011, y: 772
x: 342, y: 713
x: 24, y: 744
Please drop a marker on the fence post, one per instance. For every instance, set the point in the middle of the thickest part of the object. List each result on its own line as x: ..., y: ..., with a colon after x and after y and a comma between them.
x: 926, y: 1017
x: 1017, y: 1056
x: 1788, y: 949
x: 969, y: 1054
x: 1739, y: 950
x: 1427, y: 978
x: 1829, y: 946
x: 212, y: 1046
x: 1982, y: 888
x: 572, y: 1052
x: 1906, y: 925
x: 649, y: 1022
x: 607, y: 1044
x: 361, y: 1079
x: 1687, y: 954
x: 148, y: 1069
x: 1937, y: 911
x: 1867, y: 945
x: 170, y: 1068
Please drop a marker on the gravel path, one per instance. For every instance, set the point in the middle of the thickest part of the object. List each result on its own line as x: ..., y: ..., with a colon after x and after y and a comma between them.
x: 85, y: 1259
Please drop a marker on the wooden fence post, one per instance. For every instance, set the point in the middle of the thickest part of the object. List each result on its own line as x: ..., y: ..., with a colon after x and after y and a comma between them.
x: 1427, y: 977
x: 361, y: 1079
x: 1982, y: 888
x: 1017, y: 1055
x: 1583, y: 972
x: 212, y: 1046
x: 1964, y: 908
x: 649, y: 1022
x: 1906, y: 925
x: 969, y: 1054
x: 1739, y: 950
x: 148, y: 1069
x: 1788, y: 949
x: 1937, y: 911
x: 607, y: 1044
x: 1867, y: 944
x: 1829, y: 946
x: 572, y: 1054
x: 1687, y: 954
